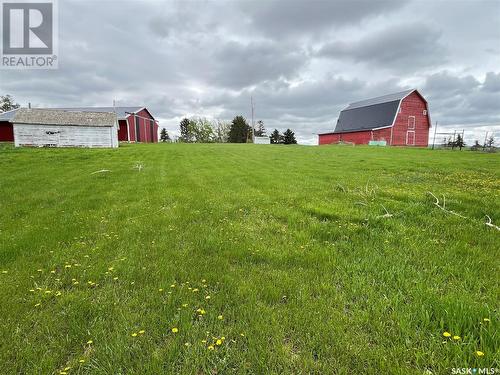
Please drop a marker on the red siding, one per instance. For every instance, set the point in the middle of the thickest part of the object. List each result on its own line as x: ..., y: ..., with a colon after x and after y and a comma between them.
x: 144, y: 127
x: 6, y: 132
x: 122, y: 131
x: 412, y: 105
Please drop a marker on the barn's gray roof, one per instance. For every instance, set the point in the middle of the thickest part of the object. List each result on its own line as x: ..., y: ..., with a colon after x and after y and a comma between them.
x: 371, y: 113
x: 121, y: 112
x: 63, y: 117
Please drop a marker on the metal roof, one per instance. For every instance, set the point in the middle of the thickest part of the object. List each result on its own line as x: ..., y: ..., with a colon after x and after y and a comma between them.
x: 63, y: 117
x: 121, y: 112
x: 380, y: 99
x: 370, y: 114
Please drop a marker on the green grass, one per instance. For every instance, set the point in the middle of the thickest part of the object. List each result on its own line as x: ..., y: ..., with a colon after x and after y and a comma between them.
x: 289, y: 240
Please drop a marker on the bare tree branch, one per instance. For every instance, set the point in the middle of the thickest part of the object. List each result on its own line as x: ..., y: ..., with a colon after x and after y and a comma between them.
x: 443, y: 206
x: 490, y: 224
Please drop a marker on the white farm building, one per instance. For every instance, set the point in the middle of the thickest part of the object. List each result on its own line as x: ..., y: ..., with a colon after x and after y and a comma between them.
x: 64, y: 128
x: 262, y: 140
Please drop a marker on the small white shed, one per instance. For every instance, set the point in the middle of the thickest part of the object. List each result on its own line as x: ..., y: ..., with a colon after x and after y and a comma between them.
x: 60, y: 128
x: 262, y: 140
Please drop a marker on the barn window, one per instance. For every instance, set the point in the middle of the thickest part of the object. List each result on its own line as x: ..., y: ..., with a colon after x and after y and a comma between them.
x: 152, y: 128
x: 424, y: 112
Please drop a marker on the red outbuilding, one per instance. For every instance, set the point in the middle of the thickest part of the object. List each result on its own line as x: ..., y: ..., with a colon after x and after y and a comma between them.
x: 136, y: 124
x: 400, y: 119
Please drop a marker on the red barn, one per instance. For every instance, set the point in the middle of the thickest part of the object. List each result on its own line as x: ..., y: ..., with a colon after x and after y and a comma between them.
x: 400, y: 119
x: 136, y: 124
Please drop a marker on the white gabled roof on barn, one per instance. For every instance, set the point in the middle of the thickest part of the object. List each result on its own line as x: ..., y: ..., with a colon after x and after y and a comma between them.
x: 62, y: 117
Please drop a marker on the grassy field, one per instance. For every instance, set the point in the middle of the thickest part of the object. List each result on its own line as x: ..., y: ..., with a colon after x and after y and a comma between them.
x: 247, y: 259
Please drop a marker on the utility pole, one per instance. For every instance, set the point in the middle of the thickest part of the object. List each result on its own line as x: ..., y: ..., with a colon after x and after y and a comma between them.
x: 253, y: 125
x: 434, y: 139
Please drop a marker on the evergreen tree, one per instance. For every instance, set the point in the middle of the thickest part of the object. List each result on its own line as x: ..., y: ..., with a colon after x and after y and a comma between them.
x: 240, y: 131
x: 275, y: 137
x: 289, y: 137
x: 186, y: 135
x: 7, y: 103
x: 164, y: 137
x: 261, y: 131
x: 459, y: 142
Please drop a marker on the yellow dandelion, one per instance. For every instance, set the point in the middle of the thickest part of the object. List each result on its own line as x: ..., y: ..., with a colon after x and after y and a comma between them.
x: 446, y: 334
x: 67, y: 368
x: 203, y: 281
x: 32, y: 290
x: 184, y: 305
x: 207, y: 297
x: 222, y: 338
x: 203, y: 341
x: 141, y: 332
x: 62, y: 372
x: 211, y: 347
x: 487, y: 320
x: 456, y: 337
x: 175, y: 330
x: 5, y: 271
x: 160, y: 289
x: 76, y: 282
x: 187, y: 344
x: 90, y: 342
x: 172, y: 286
x: 81, y: 361
x: 111, y: 268
x: 219, y: 342
x: 39, y: 270
x: 195, y: 290
x: 58, y: 294
x: 220, y: 317
x: 53, y: 271
x: 242, y: 334
x: 134, y: 334
x: 115, y: 278
x: 67, y: 266
x: 479, y: 353
x: 38, y: 305
x: 48, y: 291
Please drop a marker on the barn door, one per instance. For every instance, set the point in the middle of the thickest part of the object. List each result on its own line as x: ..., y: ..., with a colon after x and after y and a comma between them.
x: 410, y: 138
x: 411, y: 122
x: 137, y: 129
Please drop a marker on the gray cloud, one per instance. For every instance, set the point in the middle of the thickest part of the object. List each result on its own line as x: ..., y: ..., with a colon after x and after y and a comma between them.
x: 402, y: 47
x: 294, y: 18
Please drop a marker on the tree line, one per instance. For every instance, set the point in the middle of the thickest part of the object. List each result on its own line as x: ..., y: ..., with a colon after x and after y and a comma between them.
x: 202, y: 130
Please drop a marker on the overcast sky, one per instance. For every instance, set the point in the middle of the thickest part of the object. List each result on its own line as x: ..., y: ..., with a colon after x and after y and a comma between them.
x: 302, y: 61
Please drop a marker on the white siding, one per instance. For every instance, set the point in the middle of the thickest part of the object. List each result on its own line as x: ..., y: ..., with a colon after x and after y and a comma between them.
x: 65, y: 136
x: 262, y: 141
